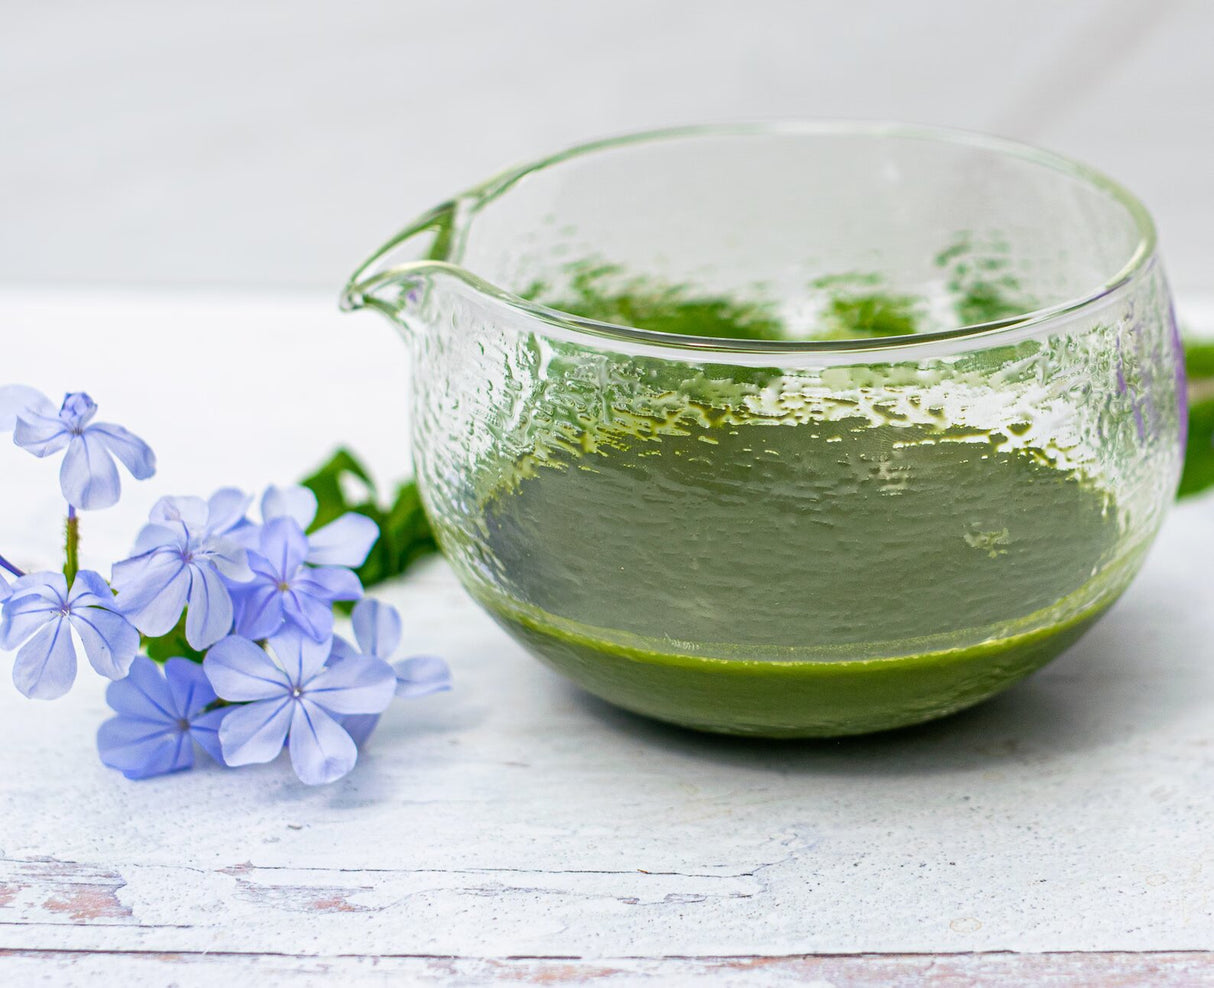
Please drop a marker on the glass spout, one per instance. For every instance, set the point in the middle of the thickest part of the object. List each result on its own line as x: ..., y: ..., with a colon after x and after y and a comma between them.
x: 393, y: 279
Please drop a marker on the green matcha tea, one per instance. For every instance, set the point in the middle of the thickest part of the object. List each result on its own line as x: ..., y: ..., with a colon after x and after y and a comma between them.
x: 799, y: 579
x: 833, y: 576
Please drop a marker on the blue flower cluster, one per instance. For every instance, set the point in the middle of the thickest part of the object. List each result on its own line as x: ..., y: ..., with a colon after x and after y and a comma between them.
x: 257, y: 599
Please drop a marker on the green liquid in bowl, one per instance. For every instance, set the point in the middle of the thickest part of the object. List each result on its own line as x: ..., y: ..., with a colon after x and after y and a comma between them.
x: 799, y: 580
x: 751, y: 575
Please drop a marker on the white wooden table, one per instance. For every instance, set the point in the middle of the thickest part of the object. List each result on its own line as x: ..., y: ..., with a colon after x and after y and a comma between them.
x: 518, y: 830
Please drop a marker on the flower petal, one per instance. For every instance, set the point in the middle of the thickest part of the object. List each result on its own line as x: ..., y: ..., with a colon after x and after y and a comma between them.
x: 295, y: 502
x: 46, y: 665
x: 421, y: 675
x: 258, y: 611
x: 49, y: 584
x: 226, y: 509
x: 160, y: 535
x: 343, y: 542
x: 342, y: 649
x: 89, y: 589
x: 40, y: 433
x: 143, y: 694
x: 357, y: 685
x: 16, y: 398
x: 228, y: 556
x: 209, y: 617
x: 311, y: 615
x: 140, y: 578
x: 255, y: 733
x: 284, y: 545
x: 189, y: 687
x: 360, y: 727
x: 88, y: 476
x: 141, y: 749
x: 110, y: 641
x: 260, y: 566
x: 321, y: 751
x: 300, y: 657
x: 376, y: 627
x: 243, y: 535
x: 152, y: 600
x: 240, y: 670
x: 6, y: 591
x: 329, y: 583
x: 188, y: 511
x: 133, y: 452
x: 24, y: 614
x: 205, y: 730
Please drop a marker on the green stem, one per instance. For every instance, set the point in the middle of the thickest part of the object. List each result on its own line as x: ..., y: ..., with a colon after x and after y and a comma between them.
x: 72, y: 546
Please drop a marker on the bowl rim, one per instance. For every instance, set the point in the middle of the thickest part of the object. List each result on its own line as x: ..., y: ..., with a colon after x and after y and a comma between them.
x: 460, y: 213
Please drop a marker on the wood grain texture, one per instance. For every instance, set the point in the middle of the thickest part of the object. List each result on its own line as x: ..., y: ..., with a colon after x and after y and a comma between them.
x: 1112, y: 970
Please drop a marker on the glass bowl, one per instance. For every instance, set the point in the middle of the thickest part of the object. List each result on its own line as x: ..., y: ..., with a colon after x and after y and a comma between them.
x: 792, y: 430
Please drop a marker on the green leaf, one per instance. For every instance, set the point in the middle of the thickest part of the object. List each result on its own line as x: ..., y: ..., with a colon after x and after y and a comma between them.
x: 1199, y: 359
x: 173, y: 643
x: 1199, y: 450
x: 326, y: 484
x: 404, y: 532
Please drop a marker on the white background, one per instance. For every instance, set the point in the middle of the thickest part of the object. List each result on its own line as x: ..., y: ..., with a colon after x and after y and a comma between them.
x: 275, y: 143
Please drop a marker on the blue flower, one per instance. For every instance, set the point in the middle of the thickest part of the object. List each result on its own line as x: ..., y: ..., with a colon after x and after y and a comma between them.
x: 294, y: 691
x: 222, y: 514
x: 343, y: 542
x: 5, y: 589
x: 377, y: 629
x: 88, y: 475
x: 285, y: 590
x: 183, y: 557
x: 159, y: 719
x: 39, y: 616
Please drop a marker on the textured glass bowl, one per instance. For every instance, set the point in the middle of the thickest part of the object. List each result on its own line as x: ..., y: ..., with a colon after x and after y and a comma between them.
x: 939, y: 453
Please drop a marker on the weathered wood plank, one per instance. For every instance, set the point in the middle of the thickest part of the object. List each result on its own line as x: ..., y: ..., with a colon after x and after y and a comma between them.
x: 49, y: 891
x: 1055, y: 970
